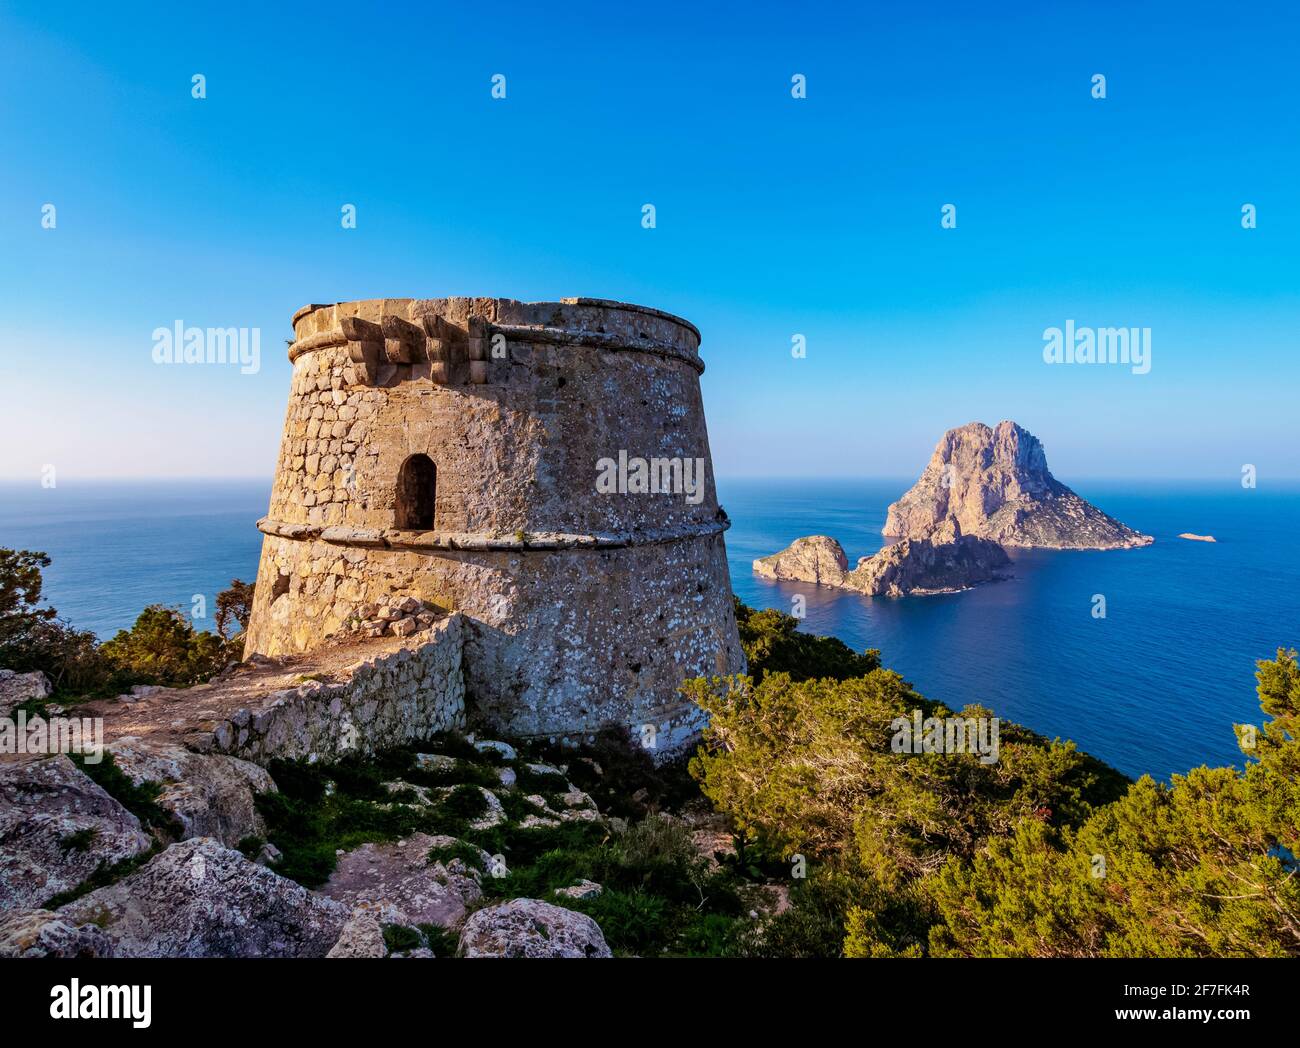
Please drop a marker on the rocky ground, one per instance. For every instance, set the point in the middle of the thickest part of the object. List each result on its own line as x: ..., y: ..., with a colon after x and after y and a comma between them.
x: 65, y: 839
x: 458, y: 846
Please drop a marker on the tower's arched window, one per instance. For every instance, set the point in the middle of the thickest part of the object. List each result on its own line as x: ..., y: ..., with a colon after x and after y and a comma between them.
x: 417, y: 485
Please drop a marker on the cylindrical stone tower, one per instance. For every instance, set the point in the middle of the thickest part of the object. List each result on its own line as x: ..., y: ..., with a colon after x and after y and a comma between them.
x: 541, y: 467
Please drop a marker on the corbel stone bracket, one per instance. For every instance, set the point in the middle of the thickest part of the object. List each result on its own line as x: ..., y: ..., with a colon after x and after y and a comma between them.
x: 455, y: 355
x: 365, y: 346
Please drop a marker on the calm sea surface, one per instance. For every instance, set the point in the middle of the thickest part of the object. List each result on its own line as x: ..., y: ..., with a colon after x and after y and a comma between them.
x: 1154, y: 687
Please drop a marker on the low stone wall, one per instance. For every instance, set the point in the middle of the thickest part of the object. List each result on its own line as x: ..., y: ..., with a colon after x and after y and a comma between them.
x: 385, y: 701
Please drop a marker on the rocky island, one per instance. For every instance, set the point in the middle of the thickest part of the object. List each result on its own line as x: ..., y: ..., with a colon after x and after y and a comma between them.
x: 995, y: 483
x: 945, y: 562
x: 813, y: 558
x: 984, y: 489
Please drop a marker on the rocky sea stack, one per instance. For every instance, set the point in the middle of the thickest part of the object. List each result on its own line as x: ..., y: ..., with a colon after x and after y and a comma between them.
x: 996, y: 485
x: 945, y: 562
x: 982, y: 490
x: 813, y: 558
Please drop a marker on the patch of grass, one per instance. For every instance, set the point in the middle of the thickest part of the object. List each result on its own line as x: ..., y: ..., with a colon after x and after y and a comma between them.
x: 710, y: 935
x: 632, y: 922
x: 659, y: 896
x: 554, y: 868
x: 79, y: 840
x: 465, y: 802
x: 442, y: 942
x: 462, y: 771
x: 465, y: 852
x: 141, y: 801
x: 250, y: 847
x: 629, y: 784
x: 310, y: 824
x: 298, y: 780
x: 657, y: 854
x: 358, y: 780
x: 517, y: 806
x: 529, y: 781
x: 813, y: 926
x: 399, y: 938
x: 521, y: 848
x: 104, y: 875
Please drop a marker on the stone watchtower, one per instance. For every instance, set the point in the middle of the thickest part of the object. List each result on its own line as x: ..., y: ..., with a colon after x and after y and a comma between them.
x: 542, y: 467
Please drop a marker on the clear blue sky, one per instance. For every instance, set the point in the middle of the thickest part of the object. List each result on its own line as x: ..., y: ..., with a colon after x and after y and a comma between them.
x: 775, y: 216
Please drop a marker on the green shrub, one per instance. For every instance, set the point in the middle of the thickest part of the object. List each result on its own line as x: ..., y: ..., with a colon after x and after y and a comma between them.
x: 399, y: 938
x: 250, y: 847
x: 163, y: 647
x: 33, y: 638
x: 773, y: 643
x: 813, y: 926
x: 442, y: 942
x: 1044, y: 852
x: 104, y: 875
x: 632, y: 921
x: 462, y: 850
x: 628, y: 784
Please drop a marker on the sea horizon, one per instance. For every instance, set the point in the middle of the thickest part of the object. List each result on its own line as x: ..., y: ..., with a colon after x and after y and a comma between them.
x: 1029, y: 648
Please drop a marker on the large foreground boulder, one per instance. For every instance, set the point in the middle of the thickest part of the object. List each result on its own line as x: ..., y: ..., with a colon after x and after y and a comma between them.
x: 57, y: 826
x: 209, y: 794
x: 202, y: 899
x: 362, y: 936
x: 403, y: 881
x: 40, y: 933
x: 17, y: 688
x: 531, y: 928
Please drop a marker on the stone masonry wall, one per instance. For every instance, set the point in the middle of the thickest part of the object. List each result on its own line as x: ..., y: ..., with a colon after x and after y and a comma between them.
x: 385, y: 701
x: 557, y: 643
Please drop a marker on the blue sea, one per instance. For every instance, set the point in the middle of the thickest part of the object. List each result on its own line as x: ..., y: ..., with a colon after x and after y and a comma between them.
x: 1154, y: 687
